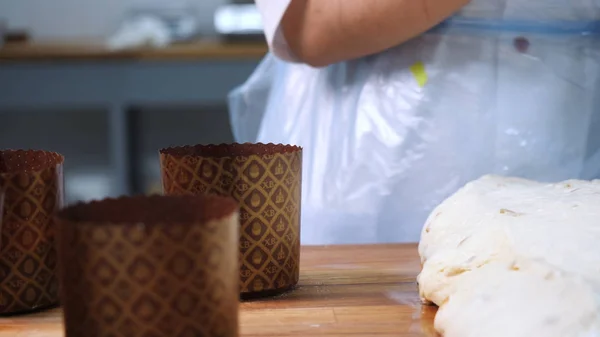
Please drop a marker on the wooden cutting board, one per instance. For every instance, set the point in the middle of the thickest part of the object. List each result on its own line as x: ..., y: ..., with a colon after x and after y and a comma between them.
x: 344, y: 291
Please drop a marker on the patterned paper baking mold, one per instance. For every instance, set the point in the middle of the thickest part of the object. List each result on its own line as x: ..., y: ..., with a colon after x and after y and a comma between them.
x: 266, y: 180
x: 33, y: 184
x: 150, y: 266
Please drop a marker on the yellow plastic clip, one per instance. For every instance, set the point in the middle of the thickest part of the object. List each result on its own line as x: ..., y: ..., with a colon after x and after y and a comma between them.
x: 420, y: 74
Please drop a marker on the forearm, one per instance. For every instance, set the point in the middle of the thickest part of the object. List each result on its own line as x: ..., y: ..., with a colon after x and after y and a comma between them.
x: 322, y: 32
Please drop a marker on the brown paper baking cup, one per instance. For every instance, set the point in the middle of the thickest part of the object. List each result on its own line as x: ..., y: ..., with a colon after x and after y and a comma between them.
x: 157, y: 266
x: 33, y: 186
x: 1, y: 214
x: 1, y: 210
x: 266, y: 180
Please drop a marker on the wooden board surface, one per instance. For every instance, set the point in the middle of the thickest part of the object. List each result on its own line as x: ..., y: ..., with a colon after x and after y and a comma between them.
x: 344, y: 291
x: 72, y: 51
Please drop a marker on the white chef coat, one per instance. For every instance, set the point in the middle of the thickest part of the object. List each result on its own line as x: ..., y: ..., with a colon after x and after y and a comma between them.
x: 272, y: 12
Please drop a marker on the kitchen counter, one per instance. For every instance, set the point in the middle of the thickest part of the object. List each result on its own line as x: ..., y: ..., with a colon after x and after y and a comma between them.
x: 343, y: 291
x: 71, y: 51
x: 59, y: 76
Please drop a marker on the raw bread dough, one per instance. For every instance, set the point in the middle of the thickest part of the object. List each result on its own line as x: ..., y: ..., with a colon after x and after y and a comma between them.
x: 508, y: 257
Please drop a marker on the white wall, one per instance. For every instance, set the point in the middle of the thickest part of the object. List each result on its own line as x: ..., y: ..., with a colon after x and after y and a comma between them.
x: 77, y: 19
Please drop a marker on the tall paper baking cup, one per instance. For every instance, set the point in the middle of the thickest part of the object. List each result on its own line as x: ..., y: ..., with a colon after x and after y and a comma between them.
x: 1, y: 211
x: 33, y: 186
x: 266, y: 180
x: 158, y: 266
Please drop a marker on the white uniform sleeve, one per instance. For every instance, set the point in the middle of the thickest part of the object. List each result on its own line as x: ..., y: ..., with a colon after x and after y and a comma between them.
x: 272, y: 12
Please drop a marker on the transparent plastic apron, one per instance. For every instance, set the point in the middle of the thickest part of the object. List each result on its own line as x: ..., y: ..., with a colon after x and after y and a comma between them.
x: 388, y: 137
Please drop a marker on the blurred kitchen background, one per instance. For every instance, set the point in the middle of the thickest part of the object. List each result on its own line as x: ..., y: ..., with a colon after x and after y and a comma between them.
x: 109, y: 82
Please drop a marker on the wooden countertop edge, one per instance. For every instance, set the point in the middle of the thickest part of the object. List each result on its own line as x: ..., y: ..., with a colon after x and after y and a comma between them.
x: 17, y: 52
